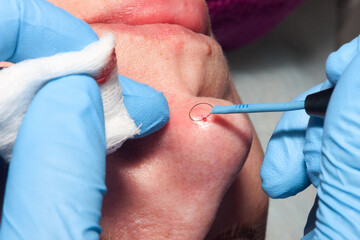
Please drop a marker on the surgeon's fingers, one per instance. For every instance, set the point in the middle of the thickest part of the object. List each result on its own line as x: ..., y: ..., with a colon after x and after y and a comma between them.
x: 36, y: 28
x: 339, y: 190
x: 336, y: 64
x: 338, y: 61
x: 283, y: 172
x: 57, y: 174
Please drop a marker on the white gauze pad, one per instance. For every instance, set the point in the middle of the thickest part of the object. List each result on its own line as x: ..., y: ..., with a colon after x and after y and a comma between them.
x: 20, y: 83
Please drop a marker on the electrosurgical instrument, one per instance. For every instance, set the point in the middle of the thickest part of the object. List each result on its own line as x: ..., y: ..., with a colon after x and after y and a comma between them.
x: 314, y: 104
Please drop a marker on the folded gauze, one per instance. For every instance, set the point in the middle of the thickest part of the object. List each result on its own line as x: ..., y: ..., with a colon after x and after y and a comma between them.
x: 21, y: 82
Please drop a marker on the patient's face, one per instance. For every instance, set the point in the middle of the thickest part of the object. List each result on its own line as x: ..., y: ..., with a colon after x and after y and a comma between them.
x: 182, y: 182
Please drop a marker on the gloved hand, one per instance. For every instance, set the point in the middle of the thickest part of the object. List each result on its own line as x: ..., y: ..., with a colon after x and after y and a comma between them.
x: 304, y: 151
x: 56, y: 179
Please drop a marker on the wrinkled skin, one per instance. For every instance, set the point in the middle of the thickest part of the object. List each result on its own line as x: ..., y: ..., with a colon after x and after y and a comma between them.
x: 183, y: 182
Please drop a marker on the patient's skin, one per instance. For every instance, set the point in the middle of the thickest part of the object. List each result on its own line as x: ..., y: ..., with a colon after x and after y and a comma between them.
x: 182, y: 182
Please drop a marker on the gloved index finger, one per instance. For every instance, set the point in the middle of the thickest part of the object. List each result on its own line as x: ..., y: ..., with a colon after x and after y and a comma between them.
x: 36, y: 28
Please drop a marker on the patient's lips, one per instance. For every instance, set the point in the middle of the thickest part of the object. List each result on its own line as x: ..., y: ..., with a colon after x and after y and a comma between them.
x: 191, y: 14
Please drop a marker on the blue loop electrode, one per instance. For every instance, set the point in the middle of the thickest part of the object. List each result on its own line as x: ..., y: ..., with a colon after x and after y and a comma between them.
x: 314, y: 104
x: 260, y: 107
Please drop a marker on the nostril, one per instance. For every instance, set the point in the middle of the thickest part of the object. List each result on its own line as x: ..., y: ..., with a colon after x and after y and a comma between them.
x: 106, y: 72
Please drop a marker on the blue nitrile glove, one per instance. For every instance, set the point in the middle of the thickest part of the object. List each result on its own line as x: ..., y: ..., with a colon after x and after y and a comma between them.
x: 56, y: 178
x: 147, y: 107
x: 301, y: 150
